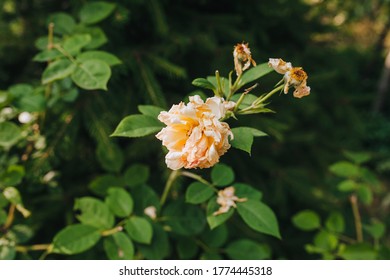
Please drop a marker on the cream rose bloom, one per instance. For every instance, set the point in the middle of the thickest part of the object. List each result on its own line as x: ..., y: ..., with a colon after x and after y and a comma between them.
x: 194, y: 135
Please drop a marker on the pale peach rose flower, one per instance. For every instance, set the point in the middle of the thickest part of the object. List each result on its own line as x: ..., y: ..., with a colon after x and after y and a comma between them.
x: 227, y: 199
x: 194, y: 135
x: 293, y: 76
x: 242, y: 58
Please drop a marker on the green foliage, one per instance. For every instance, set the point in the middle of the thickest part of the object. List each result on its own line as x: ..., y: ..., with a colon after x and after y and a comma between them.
x: 137, y: 126
x: 259, y: 217
x: 139, y: 229
x: 119, y: 247
x: 306, y: 220
x: 245, y: 249
x: 79, y: 79
x: 222, y: 175
x: 75, y: 239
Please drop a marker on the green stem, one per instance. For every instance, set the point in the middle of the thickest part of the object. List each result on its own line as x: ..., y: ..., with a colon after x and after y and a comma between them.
x: 219, y: 85
x: 36, y: 247
x: 196, y: 177
x: 172, y: 177
x: 239, y: 101
x: 234, y: 87
x: 65, y: 53
x: 356, y: 216
x: 272, y: 92
x: 10, y: 217
x: 112, y: 231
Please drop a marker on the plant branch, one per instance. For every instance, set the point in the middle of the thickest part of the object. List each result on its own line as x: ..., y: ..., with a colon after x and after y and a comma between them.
x: 356, y: 216
x: 10, y: 217
x: 172, y: 177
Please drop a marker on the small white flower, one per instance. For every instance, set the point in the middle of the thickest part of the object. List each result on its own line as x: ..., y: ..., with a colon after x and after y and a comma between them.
x: 25, y: 117
x: 151, y: 212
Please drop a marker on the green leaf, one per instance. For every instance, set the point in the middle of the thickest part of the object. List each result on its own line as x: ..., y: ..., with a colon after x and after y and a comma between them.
x: 10, y: 133
x: 98, y: 37
x: 255, y: 73
x: 136, y: 174
x: 347, y: 186
x: 20, y: 234
x: 42, y: 42
x: 247, y: 191
x: 215, y: 221
x: 203, y: 83
x: 222, y: 175
x: 137, y: 126
x: 31, y: 103
x: 7, y: 252
x: 259, y: 217
x: 75, y: 239
x: 159, y: 248
x: 365, y: 194
x: 243, y: 138
x: 358, y: 157
x: 13, y: 176
x: 335, y: 222
x: 47, y: 55
x: 184, y: 219
x: 94, y: 213
x: 101, y: 184
x: 95, y: 11
x: 325, y: 241
x: 211, y: 256
x: 106, y: 57
x: 361, y: 251
x: 215, y: 238
x: 110, y: 156
x: 75, y: 43
x: 92, y: 74
x: 139, y: 230
x: 119, y: 247
x: 119, y: 202
x: 20, y: 90
x: 376, y: 229
x: 150, y: 110
x: 63, y: 23
x: 306, y: 220
x: 246, y: 249
x: 345, y: 169
x: 145, y: 197
x: 186, y: 248
x: 57, y: 70
x: 198, y: 192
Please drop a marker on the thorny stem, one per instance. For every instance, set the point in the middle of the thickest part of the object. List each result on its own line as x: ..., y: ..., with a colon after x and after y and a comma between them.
x: 356, y: 216
x: 10, y: 217
x: 172, y: 177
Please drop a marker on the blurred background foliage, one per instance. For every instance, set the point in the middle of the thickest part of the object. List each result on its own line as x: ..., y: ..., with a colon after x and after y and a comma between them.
x: 164, y: 45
